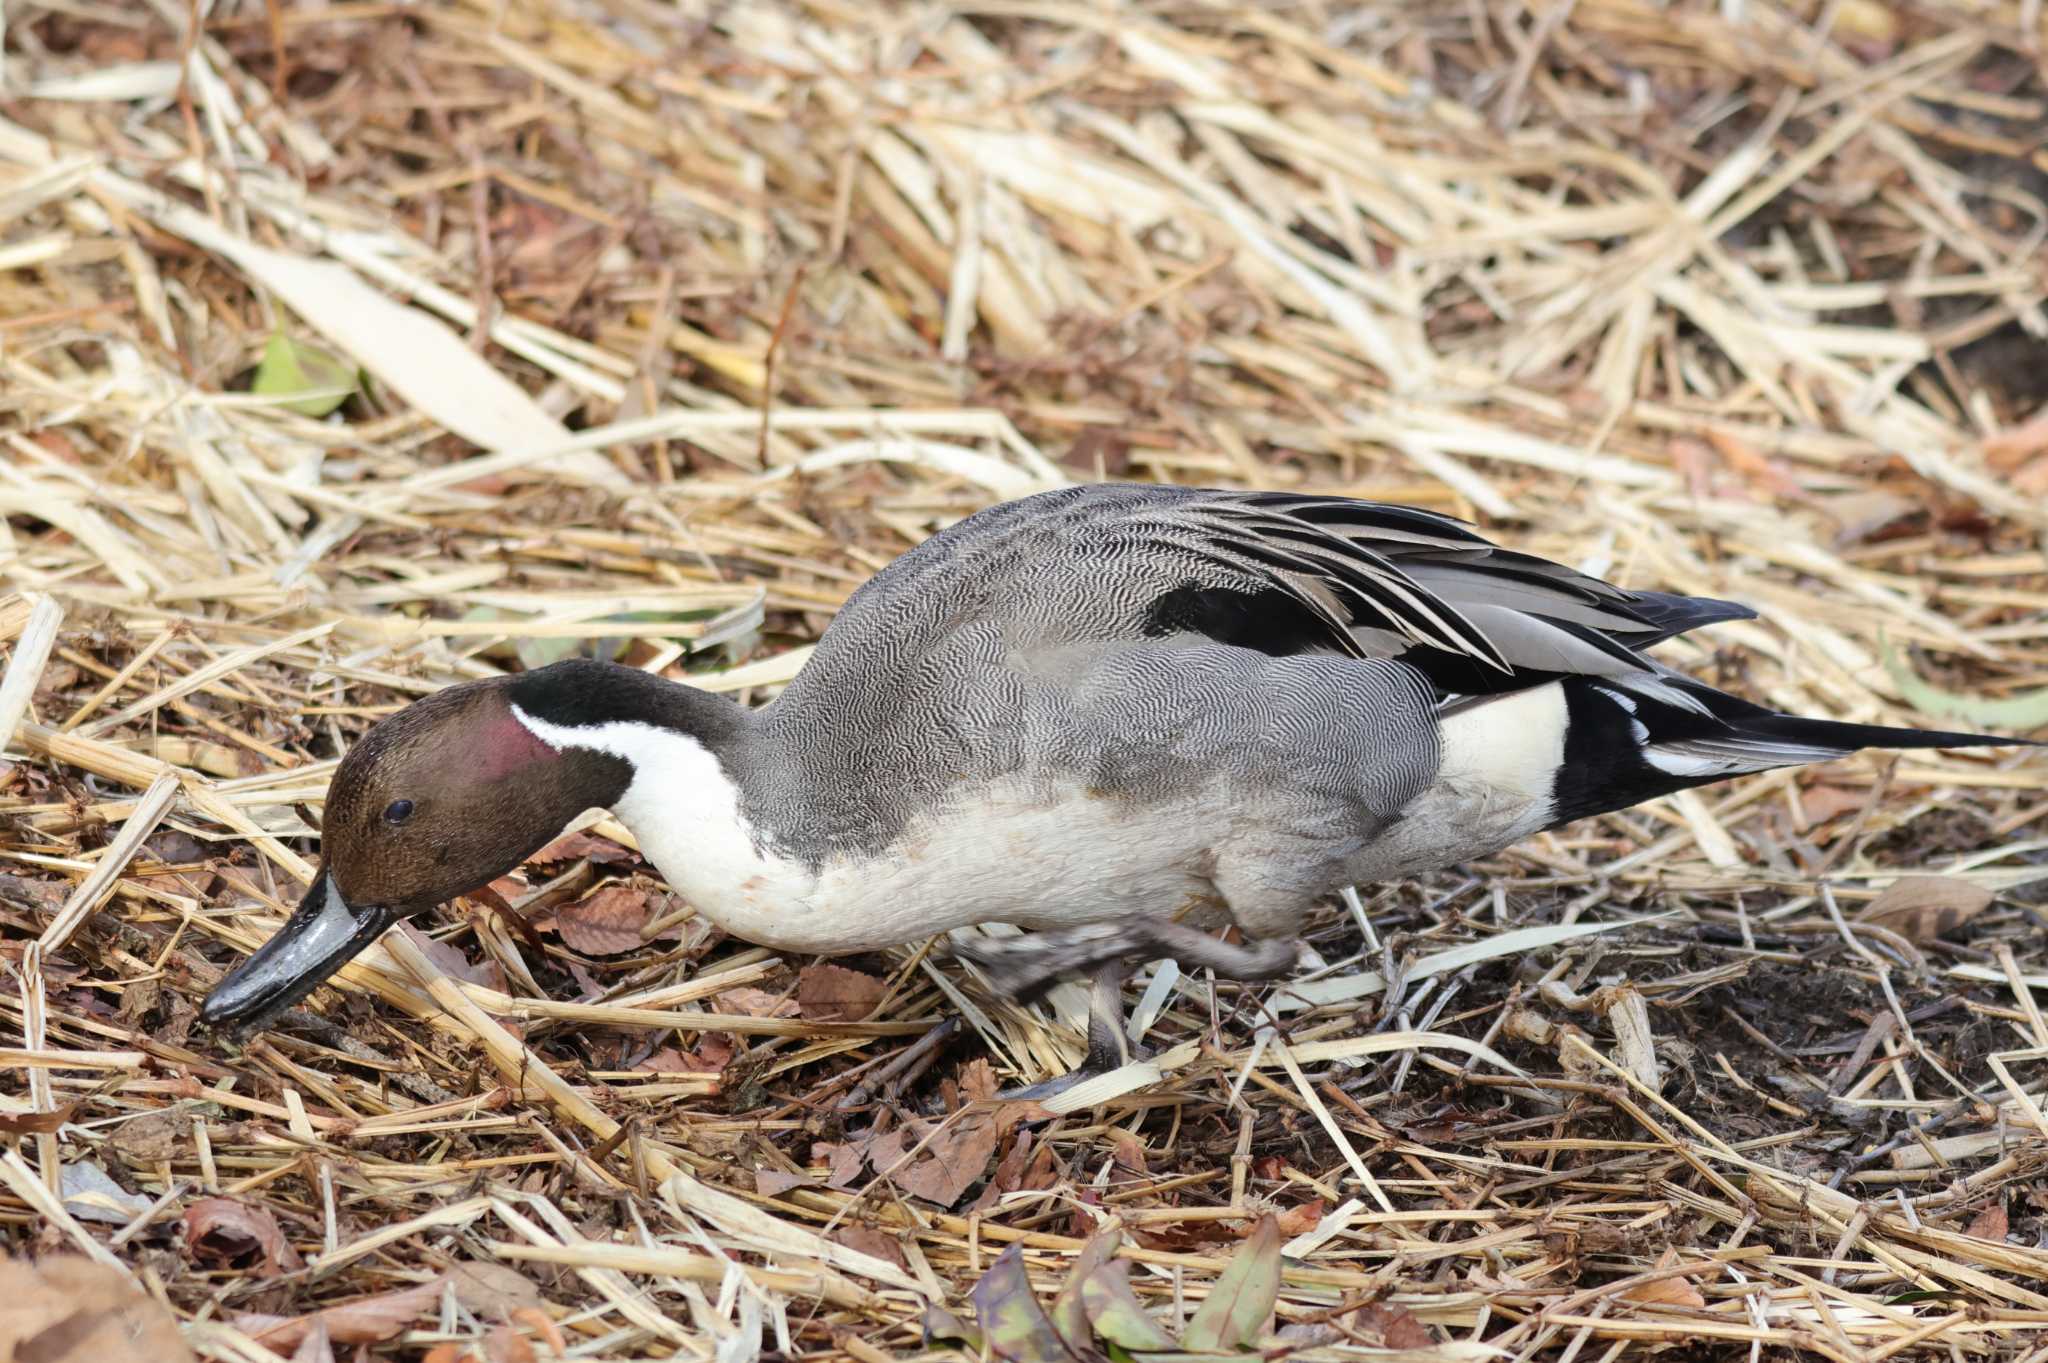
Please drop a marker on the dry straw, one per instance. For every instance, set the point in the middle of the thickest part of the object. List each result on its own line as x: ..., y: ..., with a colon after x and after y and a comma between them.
x: 656, y: 328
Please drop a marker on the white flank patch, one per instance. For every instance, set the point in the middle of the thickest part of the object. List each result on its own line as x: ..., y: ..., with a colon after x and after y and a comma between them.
x: 1515, y: 744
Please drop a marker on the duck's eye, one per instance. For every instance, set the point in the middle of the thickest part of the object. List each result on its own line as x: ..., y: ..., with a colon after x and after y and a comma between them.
x: 398, y: 811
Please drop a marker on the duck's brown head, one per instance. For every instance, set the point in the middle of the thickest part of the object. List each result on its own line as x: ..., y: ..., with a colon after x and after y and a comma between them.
x: 442, y: 797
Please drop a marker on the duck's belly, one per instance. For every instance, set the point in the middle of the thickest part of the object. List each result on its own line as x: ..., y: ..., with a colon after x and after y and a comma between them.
x: 1035, y: 858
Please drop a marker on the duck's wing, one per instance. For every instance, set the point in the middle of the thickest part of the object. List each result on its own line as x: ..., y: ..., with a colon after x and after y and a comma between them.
x: 1287, y: 573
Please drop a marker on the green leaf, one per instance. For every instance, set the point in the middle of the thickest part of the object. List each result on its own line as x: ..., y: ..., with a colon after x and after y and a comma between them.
x: 2014, y: 713
x: 533, y: 653
x: 1925, y: 1294
x: 317, y: 381
x: 1069, y: 1316
x: 1117, y: 1314
x: 1014, y: 1324
x: 1242, y: 1299
x: 939, y: 1323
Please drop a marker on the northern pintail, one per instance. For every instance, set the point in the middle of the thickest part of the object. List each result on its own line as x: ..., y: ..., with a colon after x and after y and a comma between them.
x: 1081, y: 713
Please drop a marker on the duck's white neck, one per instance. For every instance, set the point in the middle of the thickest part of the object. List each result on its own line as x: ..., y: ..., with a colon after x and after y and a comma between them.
x: 681, y: 805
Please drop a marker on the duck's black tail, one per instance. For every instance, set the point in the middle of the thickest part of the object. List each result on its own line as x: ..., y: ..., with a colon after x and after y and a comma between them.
x: 1632, y: 740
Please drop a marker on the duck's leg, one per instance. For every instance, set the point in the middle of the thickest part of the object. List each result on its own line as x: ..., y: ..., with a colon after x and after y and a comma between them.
x: 1025, y: 966
x: 1109, y: 1045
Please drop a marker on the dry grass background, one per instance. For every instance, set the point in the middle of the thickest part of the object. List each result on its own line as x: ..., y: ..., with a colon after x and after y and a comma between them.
x: 677, y: 321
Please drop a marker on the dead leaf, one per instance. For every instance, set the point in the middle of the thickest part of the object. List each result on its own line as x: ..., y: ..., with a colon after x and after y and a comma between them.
x: 90, y: 1195
x: 1010, y: 1172
x: 774, y: 1182
x: 1667, y: 1291
x: 152, y: 1137
x: 506, y: 1345
x: 1989, y: 1224
x: 1922, y: 908
x: 1821, y: 802
x: 222, y: 1232
x: 1011, y: 1320
x: 606, y: 923
x: 450, y: 960
x: 68, y: 1309
x: 754, y: 1003
x: 366, y: 1320
x: 1129, y: 1150
x: 713, y: 1053
x: 1302, y: 1219
x: 1115, y: 1313
x: 1069, y: 1310
x: 939, y: 1323
x: 492, y: 1291
x: 1759, y: 469
x: 872, y: 1242
x: 1396, y: 1326
x: 35, y: 1123
x: 2008, y: 449
x: 578, y: 846
x: 544, y: 1325
x: 954, y: 1161
x: 832, y: 993
x: 1234, y: 1314
x: 843, y: 1161
x: 315, y: 1347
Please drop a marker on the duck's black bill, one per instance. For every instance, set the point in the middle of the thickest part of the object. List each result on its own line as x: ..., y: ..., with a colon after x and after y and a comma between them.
x: 320, y: 936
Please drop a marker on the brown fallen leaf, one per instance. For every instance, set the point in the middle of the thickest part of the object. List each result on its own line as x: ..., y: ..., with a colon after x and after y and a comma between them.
x: 577, y: 846
x: 2008, y: 449
x: 1989, y: 1224
x: 1762, y: 472
x: 1129, y: 1150
x: 151, y: 1137
x: 1396, y: 1326
x: 68, y: 1309
x: 492, y: 1291
x: 506, y: 1345
x: 954, y: 1161
x: 1922, y: 908
x: 1821, y: 802
x: 713, y: 1053
x: 832, y: 993
x: 366, y: 1320
x: 843, y: 1161
x: 450, y: 960
x: 316, y: 1347
x: 774, y: 1182
x: 1300, y: 1220
x: 872, y: 1242
x: 747, y: 1001
x: 225, y: 1233
x: 542, y: 1324
x: 35, y: 1123
x: 1667, y: 1291
x: 606, y: 923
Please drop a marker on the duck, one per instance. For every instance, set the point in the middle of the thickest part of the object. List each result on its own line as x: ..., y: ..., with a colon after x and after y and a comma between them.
x: 1093, y: 714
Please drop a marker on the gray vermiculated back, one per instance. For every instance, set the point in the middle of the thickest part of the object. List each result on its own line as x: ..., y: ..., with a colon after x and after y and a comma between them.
x: 1012, y: 646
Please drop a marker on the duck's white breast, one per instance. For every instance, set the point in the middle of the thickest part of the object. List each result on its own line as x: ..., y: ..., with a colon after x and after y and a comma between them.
x: 1002, y: 851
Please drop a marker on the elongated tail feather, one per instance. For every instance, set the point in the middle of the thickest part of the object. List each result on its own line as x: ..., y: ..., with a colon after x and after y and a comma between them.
x: 1626, y: 742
